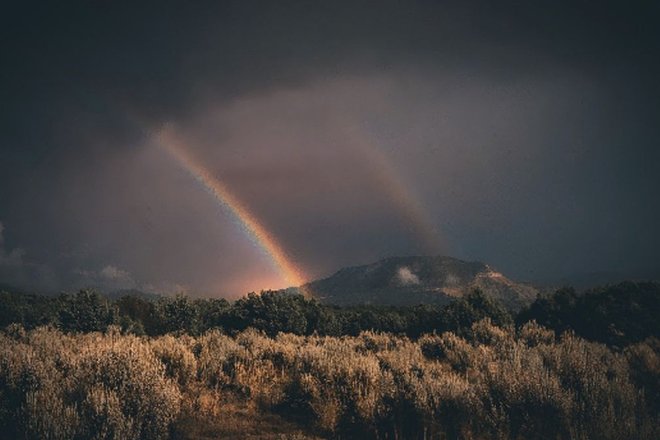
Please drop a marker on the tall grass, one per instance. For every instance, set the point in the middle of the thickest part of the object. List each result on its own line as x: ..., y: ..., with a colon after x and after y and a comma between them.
x: 495, y: 383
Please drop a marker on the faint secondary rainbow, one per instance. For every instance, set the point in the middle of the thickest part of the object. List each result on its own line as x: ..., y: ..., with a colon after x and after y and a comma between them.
x: 390, y: 180
x: 223, y: 195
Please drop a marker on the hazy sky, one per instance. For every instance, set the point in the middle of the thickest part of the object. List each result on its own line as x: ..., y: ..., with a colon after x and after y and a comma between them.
x: 521, y: 134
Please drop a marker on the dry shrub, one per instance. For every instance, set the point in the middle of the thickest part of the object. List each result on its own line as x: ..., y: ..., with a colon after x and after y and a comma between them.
x: 484, y: 332
x: 177, y: 356
x: 449, y: 403
x: 533, y: 334
x: 128, y: 367
x: 103, y: 415
x: 45, y: 415
x: 448, y: 348
x: 570, y: 389
x: 260, y: 372
x: 605, y: 402
x: 216, y: 354
x: 332, y: 373
x: 91, y: 386
x: 496, y: 384
x: 644, y: 361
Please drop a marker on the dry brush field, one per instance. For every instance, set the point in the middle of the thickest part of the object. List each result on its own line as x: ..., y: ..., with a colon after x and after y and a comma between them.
x: 497, y: 383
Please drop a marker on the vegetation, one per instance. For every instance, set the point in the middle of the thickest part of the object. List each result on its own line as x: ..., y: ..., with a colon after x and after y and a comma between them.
x: 270, y: 312
x: 494, y: 383
x: 617, y: 315
x: 85, y: 367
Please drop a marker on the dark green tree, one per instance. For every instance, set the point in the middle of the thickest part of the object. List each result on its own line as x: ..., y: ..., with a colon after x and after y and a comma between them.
x: 271, y: 312
x: 475, y: 306
x: 86, y: 311
x: 178, y: 314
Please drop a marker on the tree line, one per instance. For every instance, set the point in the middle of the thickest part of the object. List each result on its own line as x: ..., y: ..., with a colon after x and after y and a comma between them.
x: 617, y: 315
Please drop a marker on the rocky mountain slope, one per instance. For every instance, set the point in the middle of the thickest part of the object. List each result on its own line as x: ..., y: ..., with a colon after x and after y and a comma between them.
x: 419, y: 280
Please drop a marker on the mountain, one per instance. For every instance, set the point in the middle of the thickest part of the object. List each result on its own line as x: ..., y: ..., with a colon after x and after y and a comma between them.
x: 148, y: 296
x: 419, y: 280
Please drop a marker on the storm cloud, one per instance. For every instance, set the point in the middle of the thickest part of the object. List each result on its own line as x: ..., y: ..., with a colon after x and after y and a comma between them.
x: 525, y: 136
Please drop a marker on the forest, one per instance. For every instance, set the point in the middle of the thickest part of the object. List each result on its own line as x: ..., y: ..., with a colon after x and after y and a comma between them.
x: 574, y: 364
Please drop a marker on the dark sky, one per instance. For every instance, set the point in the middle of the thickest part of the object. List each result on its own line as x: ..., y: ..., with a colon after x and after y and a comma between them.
x: 521, y: 134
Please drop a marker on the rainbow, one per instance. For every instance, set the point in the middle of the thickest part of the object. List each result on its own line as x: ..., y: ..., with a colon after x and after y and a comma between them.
x: 403, y: 198
x: 223, y: 195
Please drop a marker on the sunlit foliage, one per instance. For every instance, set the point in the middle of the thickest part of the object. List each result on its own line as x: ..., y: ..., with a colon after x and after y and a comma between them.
x: 494, y: 382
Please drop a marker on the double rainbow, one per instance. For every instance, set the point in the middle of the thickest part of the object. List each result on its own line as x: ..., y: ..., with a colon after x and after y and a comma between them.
x: 382, y: 170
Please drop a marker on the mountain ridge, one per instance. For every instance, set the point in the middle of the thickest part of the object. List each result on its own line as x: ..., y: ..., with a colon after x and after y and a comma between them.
x: 411, y: 280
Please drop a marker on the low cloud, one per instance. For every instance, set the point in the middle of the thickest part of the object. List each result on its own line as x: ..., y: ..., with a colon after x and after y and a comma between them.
x: 406, y: 277
x: 113, y: 273
x: 108, y: 278
x: 18, y: 270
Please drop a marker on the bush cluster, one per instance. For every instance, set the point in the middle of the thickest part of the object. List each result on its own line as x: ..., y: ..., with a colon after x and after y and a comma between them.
x: 492, y: 382
x: 83, y: 386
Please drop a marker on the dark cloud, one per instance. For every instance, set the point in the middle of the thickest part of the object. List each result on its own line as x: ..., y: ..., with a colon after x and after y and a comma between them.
x: 525, y: 133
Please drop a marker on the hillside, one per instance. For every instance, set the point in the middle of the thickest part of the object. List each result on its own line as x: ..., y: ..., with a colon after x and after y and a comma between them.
x: 419, y: 280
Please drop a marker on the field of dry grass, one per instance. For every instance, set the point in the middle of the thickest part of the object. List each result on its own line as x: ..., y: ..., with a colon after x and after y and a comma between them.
x: 497, y: 383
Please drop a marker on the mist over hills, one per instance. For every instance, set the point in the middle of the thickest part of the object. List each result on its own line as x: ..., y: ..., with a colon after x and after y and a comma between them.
x: 419, y: 279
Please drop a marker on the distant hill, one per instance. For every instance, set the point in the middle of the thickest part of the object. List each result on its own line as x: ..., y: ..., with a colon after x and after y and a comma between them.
x: 589, y: 280
x: 112, y: 295
x: 4, y: 287
x: 149, y: 296
x: 419, y: 280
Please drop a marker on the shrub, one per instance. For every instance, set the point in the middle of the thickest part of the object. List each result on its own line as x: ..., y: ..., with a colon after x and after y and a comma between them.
x: 84, y: 386
x: 494, y: 383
